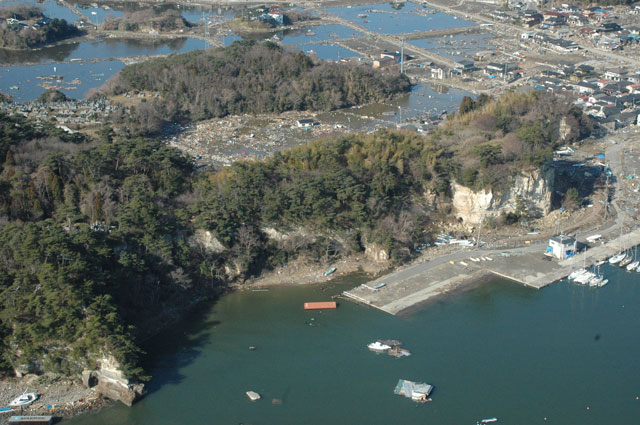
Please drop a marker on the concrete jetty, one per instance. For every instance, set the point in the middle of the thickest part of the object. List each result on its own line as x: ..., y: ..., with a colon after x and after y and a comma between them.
x: 526, y: 265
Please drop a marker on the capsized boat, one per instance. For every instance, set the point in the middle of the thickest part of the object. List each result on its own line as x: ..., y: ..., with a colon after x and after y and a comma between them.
x: 617, y: 258
x: 24, y: 400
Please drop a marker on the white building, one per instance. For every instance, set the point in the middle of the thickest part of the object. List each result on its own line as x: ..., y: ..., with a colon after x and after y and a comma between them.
x: 562, y: 246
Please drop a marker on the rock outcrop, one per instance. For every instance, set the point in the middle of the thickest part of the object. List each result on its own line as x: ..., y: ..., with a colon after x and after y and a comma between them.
x: 532, y: 189
x: 207, y: 241
x: 109, y: 381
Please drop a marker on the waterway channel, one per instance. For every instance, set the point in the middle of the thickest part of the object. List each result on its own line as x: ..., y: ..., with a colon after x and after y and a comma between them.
x: 566, y: 353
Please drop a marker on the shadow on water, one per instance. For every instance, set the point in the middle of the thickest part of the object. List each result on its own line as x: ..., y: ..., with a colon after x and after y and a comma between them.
x: 177, y: 347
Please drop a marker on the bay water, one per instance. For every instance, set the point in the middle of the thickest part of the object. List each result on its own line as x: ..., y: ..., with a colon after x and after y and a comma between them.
x: 565, y: 354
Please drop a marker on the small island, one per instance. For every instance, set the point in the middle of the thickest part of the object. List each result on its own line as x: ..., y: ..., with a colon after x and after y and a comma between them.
x: 248, y: 78
x: 24, y: 27
x: 149, y: 20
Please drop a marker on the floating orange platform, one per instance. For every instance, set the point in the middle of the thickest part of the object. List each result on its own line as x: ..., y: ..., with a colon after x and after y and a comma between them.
x: 320, y: 305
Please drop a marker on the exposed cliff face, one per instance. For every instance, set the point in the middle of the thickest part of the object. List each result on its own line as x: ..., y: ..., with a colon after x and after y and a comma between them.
x: 109, y: 381
x: 534, y: 189
x: 206, y: 240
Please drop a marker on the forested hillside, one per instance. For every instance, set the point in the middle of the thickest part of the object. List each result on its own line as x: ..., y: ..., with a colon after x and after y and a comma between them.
x: 90, y: 244
x: 96, y: 246
x: 382, y: 188
x: 250, y: 77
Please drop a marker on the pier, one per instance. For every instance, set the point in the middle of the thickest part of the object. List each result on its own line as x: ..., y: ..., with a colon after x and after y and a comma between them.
x: 527, y: 265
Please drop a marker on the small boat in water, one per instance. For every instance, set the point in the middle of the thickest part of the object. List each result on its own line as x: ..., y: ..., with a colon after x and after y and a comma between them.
x: 626, y: 261
x: 487, y: 421
x: 585, y: 278
x: 617, y: 258
x: 604, y: 282
x: 576, y: 274
x: 24, y: 400
x: 633, y: 266
x: 595, y: 281
x: 378, y: 347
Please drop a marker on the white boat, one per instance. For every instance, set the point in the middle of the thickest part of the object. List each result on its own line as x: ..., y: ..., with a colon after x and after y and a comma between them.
x: 576, y: 273
x: 378, y: 347
x: 604, y: 282
x: 585, y: 278
x: 601, y: 262
x: 24, y: 400
x: 632, y: 266
x: 626, y: 261
x: 595, y: 281
x: 617, y: 258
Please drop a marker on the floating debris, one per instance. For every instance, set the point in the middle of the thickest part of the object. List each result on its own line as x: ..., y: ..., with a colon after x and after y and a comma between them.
x: 392, y: 347
x: 416, y: 391
x: 320, y: 305
x: 253, y: 396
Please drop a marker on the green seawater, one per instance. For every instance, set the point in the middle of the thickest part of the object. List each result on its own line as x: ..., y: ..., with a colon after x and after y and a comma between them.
x: 566, y: 352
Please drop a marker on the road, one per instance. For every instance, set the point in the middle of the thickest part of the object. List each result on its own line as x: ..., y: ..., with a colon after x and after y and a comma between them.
x: 395, y: 40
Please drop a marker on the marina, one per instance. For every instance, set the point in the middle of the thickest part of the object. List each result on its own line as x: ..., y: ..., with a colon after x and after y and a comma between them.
x: 525, y: 265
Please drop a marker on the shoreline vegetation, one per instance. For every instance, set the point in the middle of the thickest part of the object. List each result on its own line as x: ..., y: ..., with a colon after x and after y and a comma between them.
x: 106, y: 239
x: 25, y: 27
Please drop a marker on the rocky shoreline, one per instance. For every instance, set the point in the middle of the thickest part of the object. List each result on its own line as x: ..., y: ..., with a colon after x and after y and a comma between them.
x: 58, y: 397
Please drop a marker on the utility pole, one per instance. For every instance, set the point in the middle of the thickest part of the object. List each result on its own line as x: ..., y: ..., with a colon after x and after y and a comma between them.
x: 402, y: 57
x: 205, y: 21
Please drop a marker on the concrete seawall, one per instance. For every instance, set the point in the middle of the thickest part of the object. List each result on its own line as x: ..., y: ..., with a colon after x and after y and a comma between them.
x: 528, y: 266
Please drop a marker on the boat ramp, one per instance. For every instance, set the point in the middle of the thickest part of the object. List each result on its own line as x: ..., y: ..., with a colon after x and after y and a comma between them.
x: 425, y: 281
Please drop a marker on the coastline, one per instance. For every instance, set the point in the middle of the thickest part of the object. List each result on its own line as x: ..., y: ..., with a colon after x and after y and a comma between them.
x: 58, y: 397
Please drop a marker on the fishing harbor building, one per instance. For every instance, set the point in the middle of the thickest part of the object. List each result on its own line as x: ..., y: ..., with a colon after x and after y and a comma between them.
x: 562, y: 246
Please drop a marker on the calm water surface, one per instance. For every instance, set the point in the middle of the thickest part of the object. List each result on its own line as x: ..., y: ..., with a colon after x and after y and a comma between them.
x: 319, y: 33
x: 102, y: 49
x: 501, y: 350
x: 384, y: 19
x: 21, y: 81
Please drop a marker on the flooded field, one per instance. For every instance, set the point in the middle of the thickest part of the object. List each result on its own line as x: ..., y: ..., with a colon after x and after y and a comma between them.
x: 101, y: 49
x: 320, y: 33
x: 220, y: 142
x: 23, y: 84
x: 327, y: 51
x: 51, y: 8
x: 384, y: 18
x: 458, y: 46
x: 332, y: 38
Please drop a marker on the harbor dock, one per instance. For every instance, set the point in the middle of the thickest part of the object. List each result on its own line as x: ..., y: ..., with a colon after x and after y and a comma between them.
x: 527, y: 265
